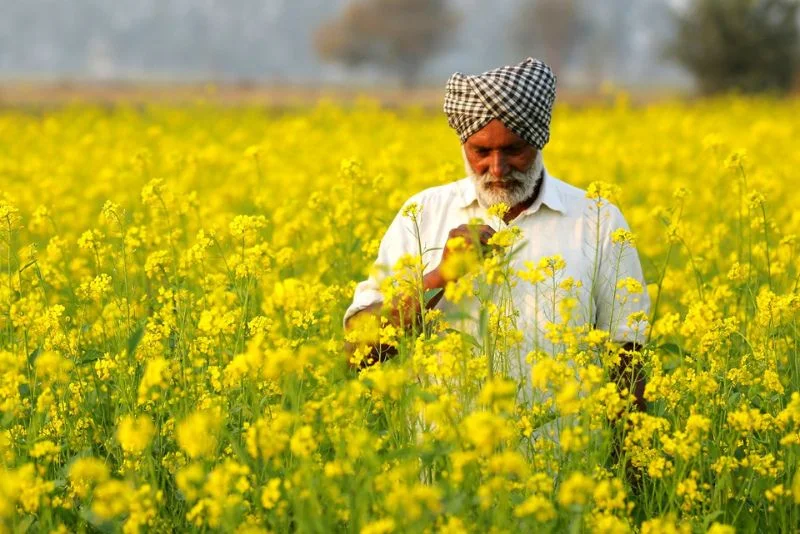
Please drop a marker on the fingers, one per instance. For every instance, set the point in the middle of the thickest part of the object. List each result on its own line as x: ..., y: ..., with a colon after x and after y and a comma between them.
x: 486, y: 233
x: 475, y: 237
x: 473, y: 234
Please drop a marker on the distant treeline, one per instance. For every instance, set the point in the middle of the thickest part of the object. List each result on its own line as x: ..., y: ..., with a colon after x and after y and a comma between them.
x: 274, y: 39
x: 744, y: 44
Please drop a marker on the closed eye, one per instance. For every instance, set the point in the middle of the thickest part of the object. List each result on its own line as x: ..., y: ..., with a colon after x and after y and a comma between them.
x: 515, y: 149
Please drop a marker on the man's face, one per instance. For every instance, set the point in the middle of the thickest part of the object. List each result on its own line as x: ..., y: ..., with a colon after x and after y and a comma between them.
x: 497, y: 151
x: 504, y: 167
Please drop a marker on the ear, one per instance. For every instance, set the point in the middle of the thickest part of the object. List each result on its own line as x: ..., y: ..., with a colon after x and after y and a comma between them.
x: 467, y: 166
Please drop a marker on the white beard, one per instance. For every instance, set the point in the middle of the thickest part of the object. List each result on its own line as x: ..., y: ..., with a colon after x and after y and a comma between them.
x: 520, y: 184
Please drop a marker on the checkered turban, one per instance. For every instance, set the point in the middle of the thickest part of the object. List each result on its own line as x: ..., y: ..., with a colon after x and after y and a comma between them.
x: 520, y: 96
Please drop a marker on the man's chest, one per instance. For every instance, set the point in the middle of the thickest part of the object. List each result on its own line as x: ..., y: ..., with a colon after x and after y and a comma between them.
x: 548, y: 273
x: 542, y: 235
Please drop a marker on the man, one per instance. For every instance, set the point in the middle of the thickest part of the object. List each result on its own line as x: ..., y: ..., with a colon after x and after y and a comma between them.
x: 502, y: 118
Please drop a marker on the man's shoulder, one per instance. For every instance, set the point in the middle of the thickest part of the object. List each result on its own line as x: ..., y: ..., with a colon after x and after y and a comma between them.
x: 578, y: 202
x: 445, y: 195
x: 571, y: 195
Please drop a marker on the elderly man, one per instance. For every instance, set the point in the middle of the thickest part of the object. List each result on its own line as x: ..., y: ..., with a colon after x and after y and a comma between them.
x: 502, y: 118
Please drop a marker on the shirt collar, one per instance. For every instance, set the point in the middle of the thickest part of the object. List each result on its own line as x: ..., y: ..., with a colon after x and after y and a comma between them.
x: 549, y: 195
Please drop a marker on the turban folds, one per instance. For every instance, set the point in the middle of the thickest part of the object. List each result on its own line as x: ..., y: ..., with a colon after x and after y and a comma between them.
x: 520, y: 96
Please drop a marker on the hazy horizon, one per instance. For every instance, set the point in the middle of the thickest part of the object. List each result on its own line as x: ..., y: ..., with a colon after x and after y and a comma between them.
x: 271, y: 41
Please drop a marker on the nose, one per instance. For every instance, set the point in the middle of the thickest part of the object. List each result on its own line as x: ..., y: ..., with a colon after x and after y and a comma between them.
x: 498, y: 166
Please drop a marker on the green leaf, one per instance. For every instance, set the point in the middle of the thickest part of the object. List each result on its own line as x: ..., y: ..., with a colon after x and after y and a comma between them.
x: 426, y: 395
x: 464, y: 335
x: 105, y: 527
x: 708, y: 518
x: 472, y: 340
x: 32, y: 356
x: 432, y: 293
x: 672, y: 348
x: 90, y: 355
x: 135, y: 338
x: 25, y: 524
x: 458, y: 316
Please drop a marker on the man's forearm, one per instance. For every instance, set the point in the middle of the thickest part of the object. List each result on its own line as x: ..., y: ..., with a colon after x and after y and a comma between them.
x: 404, y: 312
x: 628, y: 376
x: 401, y: 313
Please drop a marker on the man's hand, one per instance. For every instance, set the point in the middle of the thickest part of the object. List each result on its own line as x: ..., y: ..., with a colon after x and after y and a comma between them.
x: 628, y: 376
x: 475, y: 236
x: 404, y: 312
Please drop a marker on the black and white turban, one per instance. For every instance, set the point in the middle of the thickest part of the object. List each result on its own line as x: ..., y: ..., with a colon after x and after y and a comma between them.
x: 520, y: 96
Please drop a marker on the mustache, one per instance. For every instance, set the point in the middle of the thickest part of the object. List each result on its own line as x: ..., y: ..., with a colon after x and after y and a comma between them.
x: 511, y: 189
x: 514, y: 179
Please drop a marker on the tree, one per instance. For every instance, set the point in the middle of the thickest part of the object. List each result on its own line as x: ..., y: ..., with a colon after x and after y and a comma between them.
x: 398, y: 35
x: 746, y: 45
x: 549, y: 29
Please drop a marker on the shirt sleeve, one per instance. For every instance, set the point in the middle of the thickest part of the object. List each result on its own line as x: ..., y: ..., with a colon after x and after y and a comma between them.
x: 621, y: 299
x: 399, y: 239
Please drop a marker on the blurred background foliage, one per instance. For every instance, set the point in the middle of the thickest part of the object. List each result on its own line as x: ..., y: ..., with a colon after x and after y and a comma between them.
x: 704, y: 45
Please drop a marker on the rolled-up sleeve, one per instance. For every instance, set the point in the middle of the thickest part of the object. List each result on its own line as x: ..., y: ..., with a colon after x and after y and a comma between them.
x: 366, y: 294
x: 398, y: 240
x: 618, y: 310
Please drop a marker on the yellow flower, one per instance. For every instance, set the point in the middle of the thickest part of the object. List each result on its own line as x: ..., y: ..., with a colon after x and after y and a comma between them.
x: 52, y: 367
x: 498, y: 210
x: 134, y: 434
x: 506, y: 237
x: 796, y: 487
x: 601, y: 192
x: 302, y: 443
x: 486, y: 431
x: 609, y: 495
x: 631, y: 285
x: 573, y: 439
x: 85, y: 472
x: 197, y: 434
x: 90, y: 239
x: 538, y: 506
x: 532, y: 273
x: 411, y: 210
x: 666, y: 525
x: 23, y: 487
x: 155, y: 378
x: 550, y: 265
x: 381, y: 526
x: 576, y: 490
x: 246, y: 227
x: 622, y: 236
x: 499, y: 394
x: 189, y: 480
x: 271, y: 493
x: 269, y: 436
x: 111, y: 499
x: 46, y: 450
x: 719, y: 528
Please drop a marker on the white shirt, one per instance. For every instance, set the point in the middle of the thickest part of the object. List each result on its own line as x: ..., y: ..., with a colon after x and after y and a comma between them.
x: 562, y: 221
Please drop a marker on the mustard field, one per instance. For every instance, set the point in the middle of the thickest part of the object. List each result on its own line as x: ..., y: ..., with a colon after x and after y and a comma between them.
x: 173, y: 282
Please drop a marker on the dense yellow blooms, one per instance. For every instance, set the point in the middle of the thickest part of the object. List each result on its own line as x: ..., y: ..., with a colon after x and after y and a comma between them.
x: 134, y: 434
x: 172, y: 286
x: 87, y: 471
x: 197, y: 434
